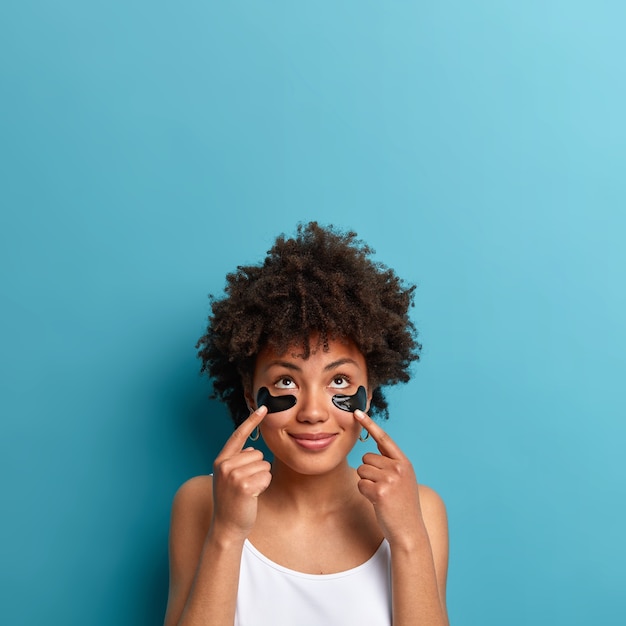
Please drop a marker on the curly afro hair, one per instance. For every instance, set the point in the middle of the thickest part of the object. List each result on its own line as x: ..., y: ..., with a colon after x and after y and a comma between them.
x: 321, y: 282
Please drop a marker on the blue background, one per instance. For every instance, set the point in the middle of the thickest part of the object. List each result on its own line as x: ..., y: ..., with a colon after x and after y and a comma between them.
x: 147, y: 148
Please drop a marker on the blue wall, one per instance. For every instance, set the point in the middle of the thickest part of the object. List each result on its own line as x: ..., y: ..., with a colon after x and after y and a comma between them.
x: 147, y: 148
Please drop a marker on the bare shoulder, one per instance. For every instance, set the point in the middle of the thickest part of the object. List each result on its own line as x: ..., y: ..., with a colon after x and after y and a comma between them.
x: 192, y: 510
x: 434, y: 515
x: 432, y: 504
x: 194, y: 498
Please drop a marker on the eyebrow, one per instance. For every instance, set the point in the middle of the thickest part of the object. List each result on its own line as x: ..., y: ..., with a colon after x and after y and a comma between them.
x: 292, y: 366
x: 285, y: 364
x: 339, y: 362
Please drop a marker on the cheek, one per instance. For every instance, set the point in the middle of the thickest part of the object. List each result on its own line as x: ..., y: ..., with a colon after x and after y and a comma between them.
x: 275, y: 421
x: 346, y: 421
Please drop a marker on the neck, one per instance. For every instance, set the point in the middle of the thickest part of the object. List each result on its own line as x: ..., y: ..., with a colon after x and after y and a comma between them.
x: 320, y: 493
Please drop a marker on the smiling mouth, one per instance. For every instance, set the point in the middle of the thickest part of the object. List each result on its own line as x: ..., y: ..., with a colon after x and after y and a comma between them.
x: 314, y: 441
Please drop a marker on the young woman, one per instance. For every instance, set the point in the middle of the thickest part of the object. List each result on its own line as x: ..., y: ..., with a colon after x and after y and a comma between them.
x: 300, y: 348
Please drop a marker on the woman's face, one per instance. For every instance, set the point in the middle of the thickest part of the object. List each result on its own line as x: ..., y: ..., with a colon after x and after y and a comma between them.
x: 314, y: 436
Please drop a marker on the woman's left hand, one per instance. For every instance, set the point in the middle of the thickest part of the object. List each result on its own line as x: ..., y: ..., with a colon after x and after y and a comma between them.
x: 388, y: 482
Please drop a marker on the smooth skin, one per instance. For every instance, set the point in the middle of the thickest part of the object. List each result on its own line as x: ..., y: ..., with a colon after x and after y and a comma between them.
x: 308, y: 497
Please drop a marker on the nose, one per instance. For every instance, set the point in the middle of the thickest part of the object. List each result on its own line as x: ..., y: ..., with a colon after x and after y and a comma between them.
x: 313, y: 407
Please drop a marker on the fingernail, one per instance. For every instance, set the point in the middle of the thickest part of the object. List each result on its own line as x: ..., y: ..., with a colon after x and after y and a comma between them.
x: 359, y: 414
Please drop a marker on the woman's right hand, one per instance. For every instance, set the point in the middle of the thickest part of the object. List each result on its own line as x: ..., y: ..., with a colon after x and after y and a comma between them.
x: 240, y: 476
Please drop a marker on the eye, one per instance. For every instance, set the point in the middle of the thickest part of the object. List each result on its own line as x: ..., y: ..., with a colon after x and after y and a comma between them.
x: 340, y: 381
x: 284, y: 383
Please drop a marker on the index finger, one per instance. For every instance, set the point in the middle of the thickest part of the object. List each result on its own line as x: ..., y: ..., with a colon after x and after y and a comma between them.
x: 238, y: 439
x: 386, y: 445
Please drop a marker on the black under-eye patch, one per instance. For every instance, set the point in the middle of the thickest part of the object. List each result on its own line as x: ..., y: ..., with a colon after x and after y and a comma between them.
x: 276, y: 404
x: 352, y: 403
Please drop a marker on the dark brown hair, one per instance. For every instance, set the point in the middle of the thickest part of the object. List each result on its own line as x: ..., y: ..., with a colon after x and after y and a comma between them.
x: 322, y: 282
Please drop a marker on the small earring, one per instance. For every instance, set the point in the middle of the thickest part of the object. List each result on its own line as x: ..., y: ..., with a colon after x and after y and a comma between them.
x: 361, y: 438
x: 254, y: 435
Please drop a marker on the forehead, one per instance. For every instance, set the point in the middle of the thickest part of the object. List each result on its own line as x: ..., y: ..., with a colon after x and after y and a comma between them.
x: 339, y: 351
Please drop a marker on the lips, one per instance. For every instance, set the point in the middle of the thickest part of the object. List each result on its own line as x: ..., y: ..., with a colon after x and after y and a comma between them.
x: 313, y: 441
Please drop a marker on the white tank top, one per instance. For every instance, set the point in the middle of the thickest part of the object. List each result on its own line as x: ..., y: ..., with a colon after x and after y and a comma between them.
x: 272, y: 595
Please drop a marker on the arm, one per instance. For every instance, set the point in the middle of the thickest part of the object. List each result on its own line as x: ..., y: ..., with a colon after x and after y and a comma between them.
x: 211, y: 518
x: 413, y: 519
x: 419, y: 568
